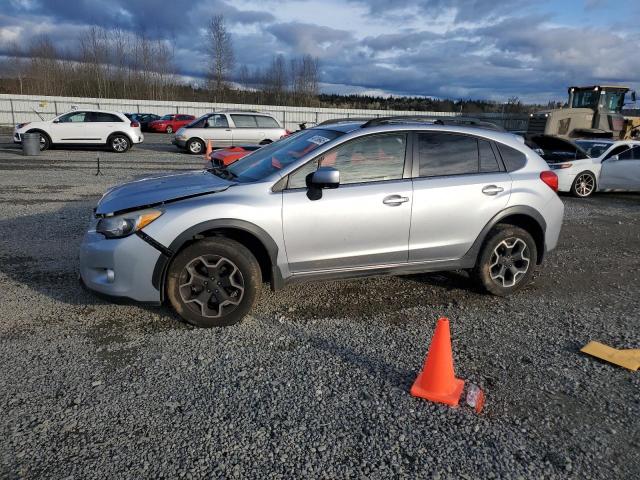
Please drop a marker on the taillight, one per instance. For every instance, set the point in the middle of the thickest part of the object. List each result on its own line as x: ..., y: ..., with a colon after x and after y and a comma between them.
x: 550, y: 178
x: 286, y: 133
x: 135, y: 124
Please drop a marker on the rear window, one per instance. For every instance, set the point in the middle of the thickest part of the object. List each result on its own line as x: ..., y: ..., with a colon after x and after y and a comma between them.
x: 266, y: 122
x: 244, y: 121
x: 105, y: 117
x: 442, y: 154
x: 513, y: 159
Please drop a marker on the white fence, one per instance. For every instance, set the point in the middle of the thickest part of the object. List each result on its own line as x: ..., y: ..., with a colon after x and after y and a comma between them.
x: 26, y: 108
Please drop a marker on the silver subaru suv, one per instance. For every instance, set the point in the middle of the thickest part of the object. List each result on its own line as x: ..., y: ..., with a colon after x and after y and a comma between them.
x: 386, y: 196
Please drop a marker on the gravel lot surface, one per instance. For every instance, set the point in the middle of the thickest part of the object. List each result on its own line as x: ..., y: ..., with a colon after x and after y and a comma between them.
x: 315, y: 382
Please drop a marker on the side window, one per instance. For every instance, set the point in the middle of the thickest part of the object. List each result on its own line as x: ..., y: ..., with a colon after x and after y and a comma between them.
x: 244, y: 121
x: 217, y: 121
x: 488, y: 160
x: 183, y: 117
x: 513, y: 159
x: 106, y: 117
x: 373, y: 158
x: 446, y: 154
x: 266, y: 122
x: 630, y: 154
x: 73, y: 117
x: 617, y: 151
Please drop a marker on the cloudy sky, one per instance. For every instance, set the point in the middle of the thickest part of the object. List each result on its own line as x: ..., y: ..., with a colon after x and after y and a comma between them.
x: 443, y: 48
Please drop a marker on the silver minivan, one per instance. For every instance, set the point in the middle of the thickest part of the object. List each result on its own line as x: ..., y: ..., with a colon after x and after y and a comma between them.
x: 229, y: 128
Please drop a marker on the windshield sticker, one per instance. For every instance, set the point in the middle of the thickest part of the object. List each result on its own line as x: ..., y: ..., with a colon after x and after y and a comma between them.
x: 318, y: 140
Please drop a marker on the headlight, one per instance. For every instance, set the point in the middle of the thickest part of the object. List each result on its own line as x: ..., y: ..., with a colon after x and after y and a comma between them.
x: 126, y: 224
x: 22, y: 125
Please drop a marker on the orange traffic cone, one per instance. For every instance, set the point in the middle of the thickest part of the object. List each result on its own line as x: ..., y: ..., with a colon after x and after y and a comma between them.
x: 437, y: 381
x: 207, y: 154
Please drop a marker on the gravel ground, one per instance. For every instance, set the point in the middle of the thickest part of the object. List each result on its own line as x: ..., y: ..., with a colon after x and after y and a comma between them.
x: 315, y: 382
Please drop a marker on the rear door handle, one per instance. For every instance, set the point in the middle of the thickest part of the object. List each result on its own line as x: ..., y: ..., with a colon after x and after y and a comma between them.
x: 492, y: 190
x: 395, y: 200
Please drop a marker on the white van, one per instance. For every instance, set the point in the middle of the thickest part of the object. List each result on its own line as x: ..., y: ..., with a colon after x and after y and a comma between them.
x: 229, y: 128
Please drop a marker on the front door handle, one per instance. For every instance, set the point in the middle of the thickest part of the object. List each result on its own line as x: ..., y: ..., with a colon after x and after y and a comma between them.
x: 395, y: 200
x: 492, y: 190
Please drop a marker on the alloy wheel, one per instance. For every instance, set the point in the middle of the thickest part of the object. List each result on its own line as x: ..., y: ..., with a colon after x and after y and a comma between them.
x: 211, y: 285
x: 584, y: 185
x: 509, y: 262
x: 120, y: 144
x: 195, y: 147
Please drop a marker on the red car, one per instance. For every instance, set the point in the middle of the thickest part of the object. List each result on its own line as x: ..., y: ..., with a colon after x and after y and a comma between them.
x: 170, y: 123
x: 226, y: 156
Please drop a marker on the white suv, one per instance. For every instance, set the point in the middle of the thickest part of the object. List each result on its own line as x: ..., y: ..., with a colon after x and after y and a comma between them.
x: 229, y: 128
x: 84, y: 127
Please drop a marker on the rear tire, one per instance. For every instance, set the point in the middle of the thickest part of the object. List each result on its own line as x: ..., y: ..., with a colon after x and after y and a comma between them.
x: 119, y: 143
x: 169, y: 129
x: 507, y: 260
x: 584, y: 185
x: 195, y: 146
x: 214, y: 282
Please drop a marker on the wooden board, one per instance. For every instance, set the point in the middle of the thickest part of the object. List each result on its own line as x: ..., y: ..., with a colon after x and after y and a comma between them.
x: 629, y: 359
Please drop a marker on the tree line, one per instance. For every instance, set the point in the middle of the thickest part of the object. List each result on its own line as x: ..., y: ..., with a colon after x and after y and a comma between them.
x: 114, y: 63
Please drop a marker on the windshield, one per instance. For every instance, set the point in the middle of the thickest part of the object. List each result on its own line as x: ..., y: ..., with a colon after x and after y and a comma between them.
x: 593, y: 149
x: 278, y: 155
x: 612, y: 101
x: 166, y: 117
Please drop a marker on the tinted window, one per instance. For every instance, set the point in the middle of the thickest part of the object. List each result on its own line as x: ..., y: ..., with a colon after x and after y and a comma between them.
x: 72, y: 117
x: 488, y: 160
x: 631, y: 154
x: 370, y: 159
x: 447, y: 154
x: 266, y: 122
x: 217, y: 121
x: 244, y: 121
x: 184, y: 117
x: 513, y: 159
x: 102, y: 117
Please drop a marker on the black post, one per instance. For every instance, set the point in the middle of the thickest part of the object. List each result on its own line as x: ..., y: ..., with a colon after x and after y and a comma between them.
x: 98, y: 172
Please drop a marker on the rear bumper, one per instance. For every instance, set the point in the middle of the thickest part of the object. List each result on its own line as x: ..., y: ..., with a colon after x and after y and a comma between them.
x: 553, y: 213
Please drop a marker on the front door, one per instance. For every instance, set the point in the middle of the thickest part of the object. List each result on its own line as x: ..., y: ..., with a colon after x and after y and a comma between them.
x: 364, y: 222
x: 622, y: 172
x: 459, y: 187
x: 216, y: 128
x: 70, y: 128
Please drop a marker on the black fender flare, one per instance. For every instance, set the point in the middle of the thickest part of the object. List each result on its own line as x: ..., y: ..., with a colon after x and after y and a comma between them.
x: 164, y: 260
x: 469, y: 259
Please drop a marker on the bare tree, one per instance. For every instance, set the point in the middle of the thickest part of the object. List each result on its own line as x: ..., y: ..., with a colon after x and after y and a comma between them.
x: 304, y: 79
x: 275, y: 80
x: 220, y: 47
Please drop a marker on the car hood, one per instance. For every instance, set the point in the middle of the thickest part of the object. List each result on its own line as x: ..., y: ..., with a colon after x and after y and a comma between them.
x: 158, y: 190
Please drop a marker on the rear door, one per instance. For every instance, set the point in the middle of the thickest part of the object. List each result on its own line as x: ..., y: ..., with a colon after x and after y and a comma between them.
x: 622, y: 172
x: 104, y: 124
x: 246, y: 129
x: 268, y: 128
x: 459, y: 185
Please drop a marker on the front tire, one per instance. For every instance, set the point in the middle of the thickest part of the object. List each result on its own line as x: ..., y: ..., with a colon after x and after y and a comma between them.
x: 195, y: 146
x: 169, y: 129
x: 214, y: 282
x: 507, y: 260
x: 119, y: 143
x: 583, y: 185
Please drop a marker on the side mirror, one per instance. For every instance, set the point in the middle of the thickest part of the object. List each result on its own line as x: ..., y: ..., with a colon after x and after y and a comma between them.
x: 56, y: 121
x: 322, y: 178
x: 613, y: 158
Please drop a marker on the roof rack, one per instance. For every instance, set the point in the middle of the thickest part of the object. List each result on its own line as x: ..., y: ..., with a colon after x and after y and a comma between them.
x: 455, y: 121
x: 237, y: 110
x: 345, y: 120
